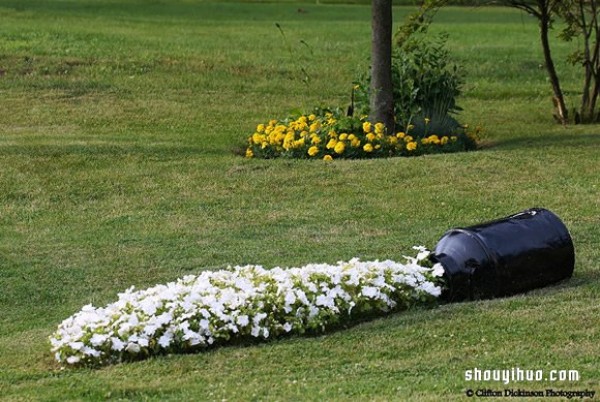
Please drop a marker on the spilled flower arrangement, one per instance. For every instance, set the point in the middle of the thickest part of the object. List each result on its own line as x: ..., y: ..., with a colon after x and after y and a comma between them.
x: 241, y: 304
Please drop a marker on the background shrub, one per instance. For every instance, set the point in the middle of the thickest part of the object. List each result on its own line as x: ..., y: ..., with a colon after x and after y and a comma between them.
x: 426, y: 86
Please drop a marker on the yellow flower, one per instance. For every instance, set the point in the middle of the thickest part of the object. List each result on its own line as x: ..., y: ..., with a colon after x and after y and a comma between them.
x: 249, y: 153
x: 434, y: 139
x: 355, y: 142
x: 327, y: 158
x: 339, y: 148
x: 392, y: 140
x: 272, y: 123
x: 371, y: 137
x: 312, y: 151
x: 400, y: 135
x: 408, y: 138
x: 288, y: 141
x: 312, y: 117
x: 257, y: 138
x: 379, y: 128
x: 368, y: 148
x: 299, y: 143
x: 411, y: 146
x: 444, y: 140
x: 454, y: 138
x: 332, y: 134
x: 315, y: 126
x: 331, y: 144
x: 367, y: 127
x: 315, y: 139
x: 427, y: 120
x: 410, y: 127
x: 260, y: 128
x: 343, y: 136
x: 356, y: 86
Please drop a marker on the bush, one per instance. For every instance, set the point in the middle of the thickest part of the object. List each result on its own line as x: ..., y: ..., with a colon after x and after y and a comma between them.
x: 329, y: 134
x: 426, y: 86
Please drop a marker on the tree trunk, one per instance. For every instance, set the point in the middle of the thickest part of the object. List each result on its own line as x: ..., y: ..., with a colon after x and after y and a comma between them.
x: 590, y: 33
x: 382, y: 101
x: 559, y: 100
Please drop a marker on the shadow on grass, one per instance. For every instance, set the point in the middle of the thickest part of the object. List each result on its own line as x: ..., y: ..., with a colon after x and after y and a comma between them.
x: 158, y: 151
x: 546, y: 141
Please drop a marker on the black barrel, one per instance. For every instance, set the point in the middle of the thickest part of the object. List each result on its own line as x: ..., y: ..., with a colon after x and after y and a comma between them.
x: 504, y: 257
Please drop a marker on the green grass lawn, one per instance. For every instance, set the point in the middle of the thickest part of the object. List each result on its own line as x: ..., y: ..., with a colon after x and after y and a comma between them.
x: 118, y: 121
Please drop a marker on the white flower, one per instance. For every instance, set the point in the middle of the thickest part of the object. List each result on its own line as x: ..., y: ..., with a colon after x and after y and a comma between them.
x: 324, y: 300
x: 437, y: 270
x: 98, y: 339
x: 148, y: 306
x: 204, y: 324
x: 242, y: 320
x: 73, y: 359
x: 165, y: 340
x: 213, y: 306
x: 290, y: 298
x: 370, y: 291
x: 430, y: 288
x: 76, y: 345
x: 150, y: 329
x: 90, y: 351
x: 164, y: 319
x: 132, y: 347
x: 258, y: 318
x: 117, y: 344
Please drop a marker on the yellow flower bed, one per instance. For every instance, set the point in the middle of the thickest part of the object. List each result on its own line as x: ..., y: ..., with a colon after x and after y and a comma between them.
x: 331, y: 136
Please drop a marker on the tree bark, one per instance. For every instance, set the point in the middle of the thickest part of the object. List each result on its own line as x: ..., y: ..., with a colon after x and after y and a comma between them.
x: 382, y: 100
x: 559, y: 101
x: 542, y: 10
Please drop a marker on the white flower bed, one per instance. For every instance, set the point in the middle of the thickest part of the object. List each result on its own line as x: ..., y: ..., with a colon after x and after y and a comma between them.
x: 240, y: 303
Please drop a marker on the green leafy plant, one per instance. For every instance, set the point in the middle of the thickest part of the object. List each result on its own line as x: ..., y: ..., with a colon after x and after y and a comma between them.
x: 426, y: 83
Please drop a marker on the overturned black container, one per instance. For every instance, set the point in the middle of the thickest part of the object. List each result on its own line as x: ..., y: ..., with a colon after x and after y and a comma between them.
x: 504, y: 257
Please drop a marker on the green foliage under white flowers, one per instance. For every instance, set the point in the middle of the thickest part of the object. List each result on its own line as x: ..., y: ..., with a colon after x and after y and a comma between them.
x: 242, y: 303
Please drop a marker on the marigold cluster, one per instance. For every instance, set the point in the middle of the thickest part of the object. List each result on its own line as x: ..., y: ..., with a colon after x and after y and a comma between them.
x: 331, y: 136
